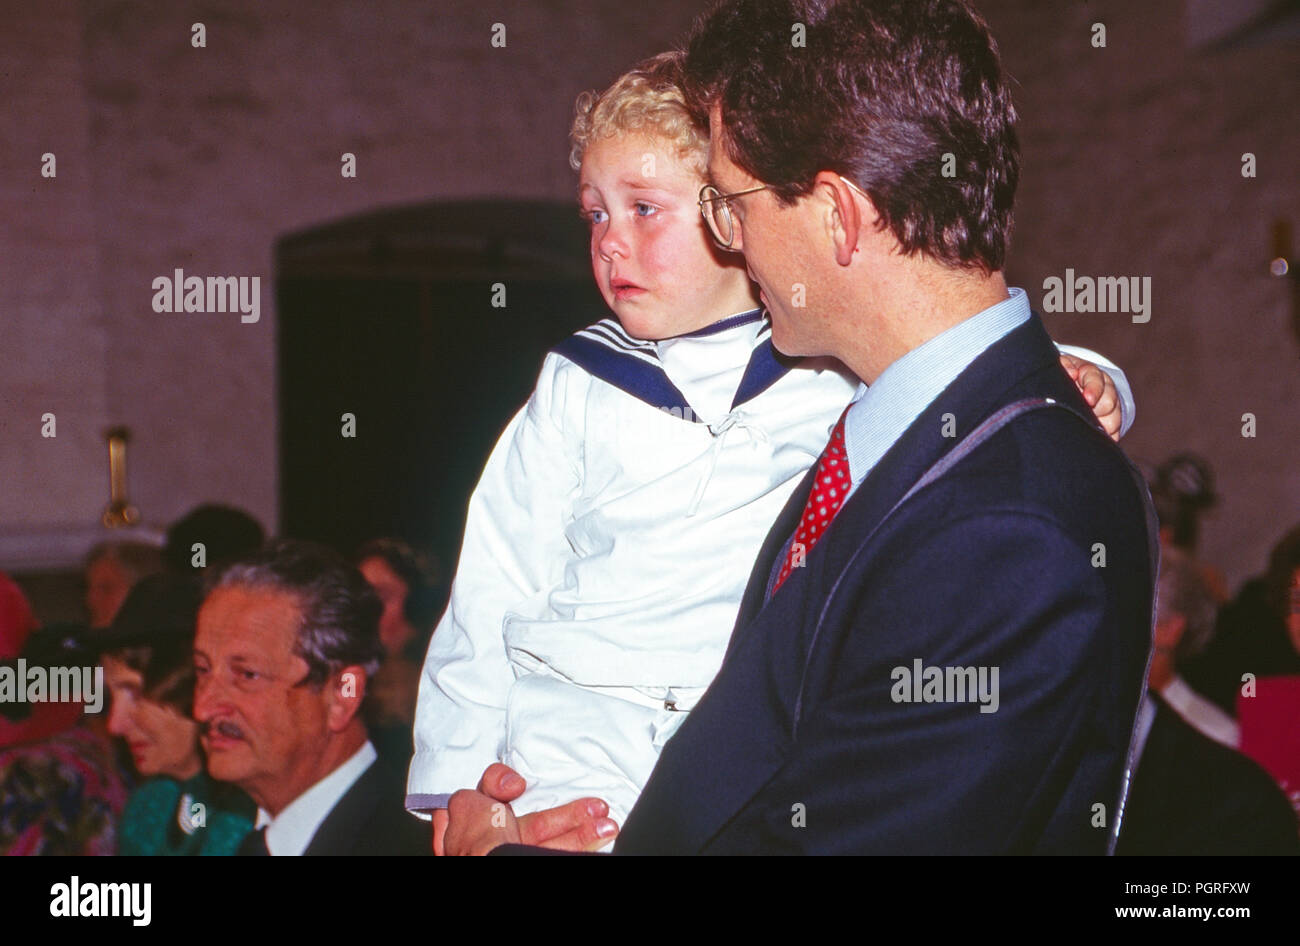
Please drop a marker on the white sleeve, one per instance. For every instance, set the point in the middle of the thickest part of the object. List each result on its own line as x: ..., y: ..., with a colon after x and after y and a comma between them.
x: 513, y: 553
x: 1127, y: 408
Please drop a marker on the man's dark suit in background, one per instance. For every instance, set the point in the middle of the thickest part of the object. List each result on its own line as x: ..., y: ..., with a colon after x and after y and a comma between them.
x: 370, y: 818
x: 1193, y: 796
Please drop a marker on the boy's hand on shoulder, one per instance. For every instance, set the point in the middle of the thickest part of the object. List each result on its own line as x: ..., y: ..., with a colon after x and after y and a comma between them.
x: 475, y: 822
x: 1098, y: 391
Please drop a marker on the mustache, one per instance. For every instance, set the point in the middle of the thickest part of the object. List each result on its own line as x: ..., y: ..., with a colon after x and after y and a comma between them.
x: 222, y: 727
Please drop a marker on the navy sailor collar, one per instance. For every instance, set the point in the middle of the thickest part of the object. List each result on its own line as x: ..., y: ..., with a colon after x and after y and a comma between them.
x: 632, y: 365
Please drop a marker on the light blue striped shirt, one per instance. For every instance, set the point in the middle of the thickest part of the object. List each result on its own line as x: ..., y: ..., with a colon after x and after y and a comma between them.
x: 881, y: 412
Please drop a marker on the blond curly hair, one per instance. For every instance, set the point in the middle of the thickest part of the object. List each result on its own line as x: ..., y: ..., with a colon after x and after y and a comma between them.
x: 647, y: 99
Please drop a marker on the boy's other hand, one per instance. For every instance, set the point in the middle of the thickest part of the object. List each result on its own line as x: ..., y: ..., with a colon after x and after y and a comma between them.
x: 477, y: 821
x: 1098, y: 391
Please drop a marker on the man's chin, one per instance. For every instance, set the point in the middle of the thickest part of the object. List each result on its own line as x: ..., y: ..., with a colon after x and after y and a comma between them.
x: 227, y: 763
x: 782, y: 340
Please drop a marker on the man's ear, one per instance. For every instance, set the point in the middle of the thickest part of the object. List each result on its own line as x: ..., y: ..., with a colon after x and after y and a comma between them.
x: 347, y: 692
x: 848, y: 213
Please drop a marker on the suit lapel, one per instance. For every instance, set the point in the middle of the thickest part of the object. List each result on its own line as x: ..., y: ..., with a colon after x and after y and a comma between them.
x: 726, y: 752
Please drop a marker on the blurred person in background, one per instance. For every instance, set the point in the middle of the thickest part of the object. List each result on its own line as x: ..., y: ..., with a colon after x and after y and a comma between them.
x: 1192, y: 793
x: 60, y: 791
x: 148, y: 664
x: 1182, y: 490
x: 224, y: 532
x: 1258, y: 632
x: 112, y: 568
x: 406, y: 583
x: 1194, y: 796
x: 1185, y: 613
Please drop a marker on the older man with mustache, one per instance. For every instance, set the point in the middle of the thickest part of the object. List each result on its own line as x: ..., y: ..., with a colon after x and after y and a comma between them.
x: 286, y: 642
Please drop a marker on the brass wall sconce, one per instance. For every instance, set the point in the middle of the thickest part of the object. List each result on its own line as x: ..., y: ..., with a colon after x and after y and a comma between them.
x: 119, y: 511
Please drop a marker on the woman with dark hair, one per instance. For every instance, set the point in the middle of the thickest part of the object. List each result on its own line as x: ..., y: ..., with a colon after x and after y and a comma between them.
x: 406, y: 584
x: 149, y: 669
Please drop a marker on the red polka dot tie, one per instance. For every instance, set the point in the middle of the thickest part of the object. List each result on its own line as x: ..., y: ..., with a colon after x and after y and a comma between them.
x: 830, y: 488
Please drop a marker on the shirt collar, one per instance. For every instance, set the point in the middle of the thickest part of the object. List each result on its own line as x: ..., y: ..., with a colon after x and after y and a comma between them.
x: 707, y: 366
x: 731, y: 321
x: 289, y: 833
x: 881, y: 412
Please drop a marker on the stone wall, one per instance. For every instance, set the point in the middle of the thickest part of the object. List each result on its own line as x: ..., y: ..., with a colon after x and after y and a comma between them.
x: 170, y: 156
x: 1133, y: 166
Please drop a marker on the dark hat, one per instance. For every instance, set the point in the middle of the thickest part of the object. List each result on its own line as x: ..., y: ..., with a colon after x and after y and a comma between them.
x: 158, y: 611
x: 226, y: 533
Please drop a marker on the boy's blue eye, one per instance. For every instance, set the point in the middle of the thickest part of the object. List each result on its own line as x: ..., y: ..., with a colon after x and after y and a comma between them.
x: 594, y: 215
x: 641, y: 205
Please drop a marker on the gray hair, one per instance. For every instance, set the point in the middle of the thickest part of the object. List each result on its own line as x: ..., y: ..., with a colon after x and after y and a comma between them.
x: 1182, y: 591
x: 340, y: 611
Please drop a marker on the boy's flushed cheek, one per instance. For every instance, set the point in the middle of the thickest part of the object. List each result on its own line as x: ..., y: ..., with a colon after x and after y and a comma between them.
x: 667, y: 252
x: 682, y: 262
x: 599, y: 272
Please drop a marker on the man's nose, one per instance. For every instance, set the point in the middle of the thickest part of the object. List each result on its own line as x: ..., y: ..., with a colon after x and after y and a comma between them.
x: 207, y: 698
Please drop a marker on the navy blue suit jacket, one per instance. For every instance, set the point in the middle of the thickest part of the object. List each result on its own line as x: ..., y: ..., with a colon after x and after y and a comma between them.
x: 798, y: 746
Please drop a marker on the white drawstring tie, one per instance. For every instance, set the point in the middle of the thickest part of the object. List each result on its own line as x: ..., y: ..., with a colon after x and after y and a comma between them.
x: 738, y: 418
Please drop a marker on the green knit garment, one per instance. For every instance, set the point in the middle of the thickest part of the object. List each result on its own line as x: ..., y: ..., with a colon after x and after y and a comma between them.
x: 200, y: 816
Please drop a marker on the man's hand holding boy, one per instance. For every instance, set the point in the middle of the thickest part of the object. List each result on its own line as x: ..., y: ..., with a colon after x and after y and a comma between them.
x: 475, y: 822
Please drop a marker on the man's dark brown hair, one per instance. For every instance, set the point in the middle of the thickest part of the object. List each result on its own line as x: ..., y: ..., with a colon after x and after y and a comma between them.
x: 880, y: 91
